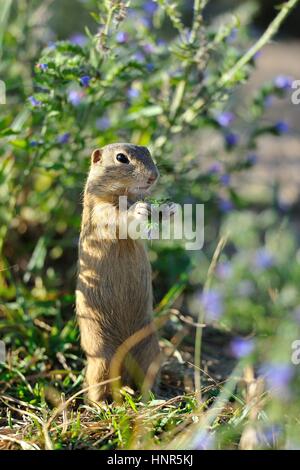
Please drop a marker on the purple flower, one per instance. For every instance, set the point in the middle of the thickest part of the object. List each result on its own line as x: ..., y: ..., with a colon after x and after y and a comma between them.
x: 203, y: 441
x: 146, y: 22
x: 150, y: 7
x: 278, y: 377
x: 122, y: 37
x: 212, y: 303
x: 232, y: 139
x: 283, y: 82
x: 257, y: 55
x: 133, y: 93
x: 35, y: 143
x: 51, y: 45
x: 75, y: 97
x: 224, y: 270
x: 150, y: 67
x: 149, y: 48
x: 268, y: 101
x: 241, y: 347
x: 63, y: 138
x: 225, y: 119
x: 85, y: 81
x: 139, y: 57
x: 282, y: 127
x: 161, y: 42
x: 232, y: 36
x: 263, y: 259
x: 42, y: 67
x: 78, y: 39
x: 251, y: 159
x: 103, y: 123
x: 215, y: 168
x: 225, y: 179
x: 225, y: 205
x: 34, y: 102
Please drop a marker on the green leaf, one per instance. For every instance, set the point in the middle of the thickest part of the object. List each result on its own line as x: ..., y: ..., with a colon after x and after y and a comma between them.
x: 150, y: 111
x: 20, y: 143
x: 38, y: 256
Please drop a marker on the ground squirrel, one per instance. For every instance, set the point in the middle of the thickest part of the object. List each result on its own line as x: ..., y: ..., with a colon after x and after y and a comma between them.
x: 114, y: 288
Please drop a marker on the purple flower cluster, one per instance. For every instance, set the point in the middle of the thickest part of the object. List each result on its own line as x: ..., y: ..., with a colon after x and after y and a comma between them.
x: 133, y: 93
x: 42, y: 67
x: 36, y: 143
x: 34, y: 101
x: 225, y: 119
x: 278, y: 377
x: 232, y: 139
x: 282, y: 127
x: 203, y: 441
x: 103, y: 123
x: 212, y: 303
x: 232, y: 36
x: 241, y: 347
x: 63, y: 138
x: 251, y: 159
x: 150, y: 7
x: 75, y: 97
x: 149, y: 48
x: 283, y: 82
x: 263, y: 259
x: 85, y: 81
x: 225, y: 179
x: 139, y: 57
x: 225, y: 205
x: 215, y: 168
x: 78, y: 39
x: 122, y: 37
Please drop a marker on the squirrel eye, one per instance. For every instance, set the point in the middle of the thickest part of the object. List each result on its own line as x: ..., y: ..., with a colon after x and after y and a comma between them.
x: 122, y: 158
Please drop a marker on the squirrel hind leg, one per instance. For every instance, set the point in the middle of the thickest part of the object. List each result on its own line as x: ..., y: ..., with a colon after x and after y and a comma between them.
x: 97, y: 372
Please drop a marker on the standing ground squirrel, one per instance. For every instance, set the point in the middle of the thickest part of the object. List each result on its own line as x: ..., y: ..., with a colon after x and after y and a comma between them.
x: 114, y: 288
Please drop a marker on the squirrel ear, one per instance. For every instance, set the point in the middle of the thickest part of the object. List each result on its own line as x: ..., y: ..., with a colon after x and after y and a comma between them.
x: 96, y: 156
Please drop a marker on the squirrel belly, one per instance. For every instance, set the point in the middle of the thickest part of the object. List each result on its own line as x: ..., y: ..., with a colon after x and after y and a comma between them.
x: 115, y: 284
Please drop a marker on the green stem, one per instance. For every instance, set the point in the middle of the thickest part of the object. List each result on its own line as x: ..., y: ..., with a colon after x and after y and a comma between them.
x: 201, y: 317
x: 4, y: 15
x: 198, y: 7
x: 268, y: 34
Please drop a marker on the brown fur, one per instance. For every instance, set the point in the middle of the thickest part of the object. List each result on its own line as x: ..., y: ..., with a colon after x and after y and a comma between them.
x: 114, y: 289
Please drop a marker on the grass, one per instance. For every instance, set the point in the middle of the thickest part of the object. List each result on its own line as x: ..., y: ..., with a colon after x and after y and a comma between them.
x: 43, y: 406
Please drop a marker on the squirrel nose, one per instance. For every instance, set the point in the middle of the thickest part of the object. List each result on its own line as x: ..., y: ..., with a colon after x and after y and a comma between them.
x: 151, y: 179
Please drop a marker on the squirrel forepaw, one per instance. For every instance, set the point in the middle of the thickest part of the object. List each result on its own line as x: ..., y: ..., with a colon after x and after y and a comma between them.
x: 141, y: 210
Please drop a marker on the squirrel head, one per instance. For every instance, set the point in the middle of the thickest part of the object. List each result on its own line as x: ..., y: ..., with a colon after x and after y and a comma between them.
x: 121, y: 169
